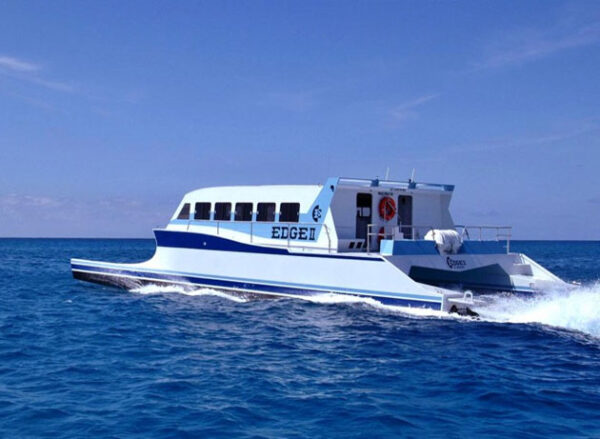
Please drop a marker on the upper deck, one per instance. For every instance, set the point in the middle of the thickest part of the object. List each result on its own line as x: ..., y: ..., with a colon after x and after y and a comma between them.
x: 335, y: 216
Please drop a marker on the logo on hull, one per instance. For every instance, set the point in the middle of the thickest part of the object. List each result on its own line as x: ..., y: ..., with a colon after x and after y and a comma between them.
x: 316, y: 213
x: 458, y: 264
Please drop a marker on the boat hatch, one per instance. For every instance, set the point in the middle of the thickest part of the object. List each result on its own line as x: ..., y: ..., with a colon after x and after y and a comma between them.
x: 405, y: 208
x: 363, y: 214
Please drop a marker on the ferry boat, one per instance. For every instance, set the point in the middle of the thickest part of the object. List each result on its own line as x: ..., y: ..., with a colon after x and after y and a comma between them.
x: 392, y: 241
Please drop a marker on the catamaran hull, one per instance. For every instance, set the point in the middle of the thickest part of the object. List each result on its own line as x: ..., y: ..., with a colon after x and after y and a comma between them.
x: 132, y: 281
x: 208, y: 262
x: 348, y: 236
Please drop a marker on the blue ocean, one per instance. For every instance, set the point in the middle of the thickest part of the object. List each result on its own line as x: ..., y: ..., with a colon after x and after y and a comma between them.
x: 83, y: 360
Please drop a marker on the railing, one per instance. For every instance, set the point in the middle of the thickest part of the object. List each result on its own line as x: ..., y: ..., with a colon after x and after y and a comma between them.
x: 503, y: 233
x: 382, y: 183
x: 399, y: 232
x: 252, y: 225
x: 405, y: 232
x: 414, y: 233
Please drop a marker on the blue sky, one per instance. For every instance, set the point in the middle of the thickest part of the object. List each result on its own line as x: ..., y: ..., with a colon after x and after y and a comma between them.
x: 110, y: 111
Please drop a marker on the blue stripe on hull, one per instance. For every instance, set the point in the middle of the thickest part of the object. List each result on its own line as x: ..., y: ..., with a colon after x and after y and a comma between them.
x: 110, y: 276
x: 201, y: 241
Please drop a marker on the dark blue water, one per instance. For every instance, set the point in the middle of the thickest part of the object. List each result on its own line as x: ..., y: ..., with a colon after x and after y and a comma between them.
x: 84, y: 360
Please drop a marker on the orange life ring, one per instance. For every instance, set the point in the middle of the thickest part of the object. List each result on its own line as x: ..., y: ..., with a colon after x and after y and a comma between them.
x: 387, y: 208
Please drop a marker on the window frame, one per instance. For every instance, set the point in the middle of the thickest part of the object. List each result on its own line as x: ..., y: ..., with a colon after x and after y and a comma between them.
x: 274, y: 213
x: 281, y: 213
x: 183, y: 208
x: 196, y: 218
x: 235, y: 211
x: 226, y: 203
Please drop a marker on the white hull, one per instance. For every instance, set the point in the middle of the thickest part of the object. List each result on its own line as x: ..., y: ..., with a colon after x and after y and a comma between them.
x: 287, y: 274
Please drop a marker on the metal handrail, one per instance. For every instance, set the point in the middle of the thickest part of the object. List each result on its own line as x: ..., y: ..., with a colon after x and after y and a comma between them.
x: 251, y: 223
x: 503, y: 233
x: 328, y: 238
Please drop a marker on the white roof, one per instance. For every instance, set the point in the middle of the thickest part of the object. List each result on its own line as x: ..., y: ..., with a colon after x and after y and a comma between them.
x: 303, y: 194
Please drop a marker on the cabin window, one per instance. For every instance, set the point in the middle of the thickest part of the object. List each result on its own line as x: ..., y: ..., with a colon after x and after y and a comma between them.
x: 222, y: 211
x: 184, y: 213
x: 202, y: 211
x: 363, y: 205
x: 289, y: 212
x: 265, y: 212
x: 243, y: 211
x: 363, y: 214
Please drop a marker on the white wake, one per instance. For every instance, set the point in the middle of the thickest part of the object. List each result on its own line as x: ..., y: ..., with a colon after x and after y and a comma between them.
x: 165, y: 289
x: 577, y: 309
x: 333, y: 298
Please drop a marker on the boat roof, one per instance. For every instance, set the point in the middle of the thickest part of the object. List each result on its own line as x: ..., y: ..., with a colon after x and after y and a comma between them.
x: 305, y: 193
x: 393, y: 184
x: 336, y: 181
x: 267, y: 193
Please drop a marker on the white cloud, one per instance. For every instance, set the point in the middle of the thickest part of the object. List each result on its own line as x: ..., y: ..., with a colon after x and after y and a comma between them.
x: 29, y: 72
x: 406, y: 110
x: 17, y: 65
x: 574, y: 130
x: 525, y: 45
x: 53, y: 85
x: 41, y: 215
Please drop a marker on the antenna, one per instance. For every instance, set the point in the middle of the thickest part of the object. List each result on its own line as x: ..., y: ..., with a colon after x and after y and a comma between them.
x: 387, y: 173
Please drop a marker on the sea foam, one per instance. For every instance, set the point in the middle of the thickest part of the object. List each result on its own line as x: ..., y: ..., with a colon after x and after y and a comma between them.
x: 577, y: 309
x: 166, y: 289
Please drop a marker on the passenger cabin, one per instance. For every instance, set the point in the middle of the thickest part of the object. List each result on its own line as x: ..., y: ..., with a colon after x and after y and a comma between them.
x: 343, y: 215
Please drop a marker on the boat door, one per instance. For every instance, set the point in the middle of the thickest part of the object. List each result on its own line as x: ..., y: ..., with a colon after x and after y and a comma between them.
x: 363, y: 214
x: 405, y: 215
